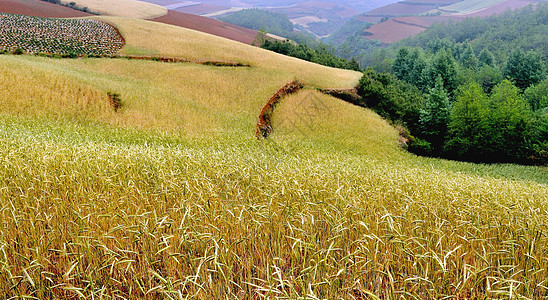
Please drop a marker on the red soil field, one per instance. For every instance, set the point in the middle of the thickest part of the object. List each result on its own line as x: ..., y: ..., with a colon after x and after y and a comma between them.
x: 502, y: 7
x: 39, y: 8
x: 201, y: 9
x: 400, y: 9
x: 215, y: 27
x: 399, y: 28
x: 392, y: 31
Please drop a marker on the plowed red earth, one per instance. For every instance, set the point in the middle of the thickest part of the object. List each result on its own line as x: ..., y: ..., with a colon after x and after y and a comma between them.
x: 399, y: 28
x: 210, y: 26
x: 39, y: 8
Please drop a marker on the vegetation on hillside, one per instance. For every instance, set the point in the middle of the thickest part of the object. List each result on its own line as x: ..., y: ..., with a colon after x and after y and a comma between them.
x: 75, y: 37
x: 170, y: 195
x: 259, y: 19
x: 165, y: 197
x: 322, y: 54
x: 500, y: 34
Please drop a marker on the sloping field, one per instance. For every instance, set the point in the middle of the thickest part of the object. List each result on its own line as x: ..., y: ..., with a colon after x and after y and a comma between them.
x: 502, y: 7
x: 468, y: 6
x: 172, y: 196
x: 148, y: 38
x: 122, y: 8
x: 397, y: 29
x: 207, y: 25
x: 39, y: 8
x: 58, y: 36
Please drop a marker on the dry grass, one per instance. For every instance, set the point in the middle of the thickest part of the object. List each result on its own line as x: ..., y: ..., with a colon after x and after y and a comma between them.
x: 148, y: 38
x: 122, y: 8
x: 172, y: 197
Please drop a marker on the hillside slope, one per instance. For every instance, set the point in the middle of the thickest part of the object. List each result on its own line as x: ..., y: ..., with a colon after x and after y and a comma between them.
x: 172, y: 196
x: 39, y: 8
x: 401, y: 25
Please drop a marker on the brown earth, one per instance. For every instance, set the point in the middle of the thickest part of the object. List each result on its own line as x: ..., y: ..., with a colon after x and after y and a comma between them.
x: 207, y: 25
x: 201, y: 9
x: 399, y: 28
x: 502, y: 7
x: 39, y: 8
x: 264, y: 125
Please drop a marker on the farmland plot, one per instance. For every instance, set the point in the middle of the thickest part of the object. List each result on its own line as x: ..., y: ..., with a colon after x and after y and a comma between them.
x: 58, y: 36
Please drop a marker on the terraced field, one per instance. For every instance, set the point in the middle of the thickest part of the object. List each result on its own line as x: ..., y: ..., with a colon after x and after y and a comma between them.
x: 58, y: 36
x: 172, y: 195
x: 122, y: 8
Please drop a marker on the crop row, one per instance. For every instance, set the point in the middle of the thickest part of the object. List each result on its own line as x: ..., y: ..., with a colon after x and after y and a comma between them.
x: 58, y: 36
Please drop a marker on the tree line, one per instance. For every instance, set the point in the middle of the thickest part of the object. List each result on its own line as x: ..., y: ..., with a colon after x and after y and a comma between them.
x: 460, y: 104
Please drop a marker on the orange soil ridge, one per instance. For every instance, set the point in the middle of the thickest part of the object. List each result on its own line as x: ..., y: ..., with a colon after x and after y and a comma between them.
x: 264, y: 125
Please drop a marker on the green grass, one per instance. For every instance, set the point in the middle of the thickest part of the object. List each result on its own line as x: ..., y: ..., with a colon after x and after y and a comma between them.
x: 173, y: 197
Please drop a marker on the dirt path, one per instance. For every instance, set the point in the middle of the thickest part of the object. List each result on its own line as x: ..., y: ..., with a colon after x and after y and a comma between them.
x: 264, y: 125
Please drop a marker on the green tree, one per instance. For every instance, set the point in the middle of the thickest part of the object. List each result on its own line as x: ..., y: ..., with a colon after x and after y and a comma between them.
x: 467, y: 128
x: 434, y: 118
x: 537, y: 95
x: 409, y: 65
x: 444, y: 65
x: 507, y: 124
x: 488, y: 76
x: 486, y: 58
x: 468, y: 57
x: 524, y: 69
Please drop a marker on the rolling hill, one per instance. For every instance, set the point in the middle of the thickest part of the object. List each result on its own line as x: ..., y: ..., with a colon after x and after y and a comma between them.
x: 401, y: 25
x: 172, y: 196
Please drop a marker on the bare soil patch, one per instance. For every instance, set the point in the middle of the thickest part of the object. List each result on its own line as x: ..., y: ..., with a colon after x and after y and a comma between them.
x: 264, y: 125
x: 215, y: 27
x: 39, y: 8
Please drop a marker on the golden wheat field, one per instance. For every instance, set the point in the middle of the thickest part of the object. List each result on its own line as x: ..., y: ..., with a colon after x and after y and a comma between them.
x: 122, y: 8
x: 173, y: 197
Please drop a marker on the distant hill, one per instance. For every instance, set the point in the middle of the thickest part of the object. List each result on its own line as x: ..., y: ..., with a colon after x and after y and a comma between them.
x: 408, y: 18
x: 207, y: 25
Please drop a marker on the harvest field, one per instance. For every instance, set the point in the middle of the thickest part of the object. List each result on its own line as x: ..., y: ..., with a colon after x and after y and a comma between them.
x: 122, y: 8
x: 58, y: 36
x: 173, y: 197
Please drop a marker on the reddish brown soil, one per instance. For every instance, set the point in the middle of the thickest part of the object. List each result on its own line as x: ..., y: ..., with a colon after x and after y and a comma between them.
x: 39, y: 8
x: 392, y: 31
x: 200, y: 9
x: 399, y: 28
x: 400, y: 9
x: 502, y: 7
x: 208, y: 25
x: 264, y: 125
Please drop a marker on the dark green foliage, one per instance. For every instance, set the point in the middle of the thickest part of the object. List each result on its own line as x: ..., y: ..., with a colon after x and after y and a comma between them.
x: 259, y: 19
x: 524, y: 69
x: 487, y: 76
x: 468, y: 58
x: 18, y: 51
x: 490, y: 129
x: 442, y: 64
x: 539, y: 138
x: 391, y: 98
x: 467, y: 127
x: 537, y: 95
x: 486, y: 58
x: 323, y: 54
x: 409, y: 66
x: 435, y: 116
